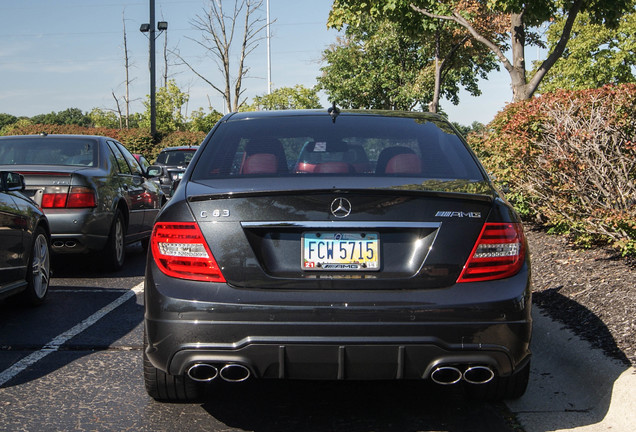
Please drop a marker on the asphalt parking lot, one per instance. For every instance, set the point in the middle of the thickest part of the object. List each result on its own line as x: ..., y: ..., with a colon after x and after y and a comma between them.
x: 75, y: 364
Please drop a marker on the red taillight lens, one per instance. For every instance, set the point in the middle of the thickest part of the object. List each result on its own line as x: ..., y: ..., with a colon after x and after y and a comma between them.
x: 77, y: 197
x: 180, y: 251
x: 54, y: 200
x: 498, y: 253
x: 80, y: 197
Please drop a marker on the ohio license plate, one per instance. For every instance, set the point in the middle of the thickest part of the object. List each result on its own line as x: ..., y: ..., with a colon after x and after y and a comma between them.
x: 340, y: 251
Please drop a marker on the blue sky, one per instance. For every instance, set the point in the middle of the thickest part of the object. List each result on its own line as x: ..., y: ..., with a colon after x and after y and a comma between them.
x: 69, y: 54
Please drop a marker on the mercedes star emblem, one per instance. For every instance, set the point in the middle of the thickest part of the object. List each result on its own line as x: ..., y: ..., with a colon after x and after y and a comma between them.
x: 340, y: 207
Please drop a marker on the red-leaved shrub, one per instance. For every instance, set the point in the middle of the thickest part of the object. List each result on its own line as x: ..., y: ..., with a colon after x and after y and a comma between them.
x: 568, y: 159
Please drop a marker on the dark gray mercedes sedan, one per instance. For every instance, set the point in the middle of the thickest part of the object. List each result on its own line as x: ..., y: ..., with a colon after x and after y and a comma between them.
x: 328, y: 245
x: 94, y: 193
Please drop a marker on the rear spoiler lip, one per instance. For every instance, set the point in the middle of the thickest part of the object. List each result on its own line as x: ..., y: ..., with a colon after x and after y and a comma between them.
x: 340, y: 224
x: 341, y: 191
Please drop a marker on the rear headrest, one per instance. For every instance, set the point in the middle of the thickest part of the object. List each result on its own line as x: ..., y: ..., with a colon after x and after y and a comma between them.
x: 387, y: 154
x: 268, y: 144
x: 260, y: 163
x: 405, y: 163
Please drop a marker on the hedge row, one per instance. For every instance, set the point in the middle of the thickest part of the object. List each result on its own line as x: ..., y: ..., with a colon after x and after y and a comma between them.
x: 135, y: 140
x: 568, y: 159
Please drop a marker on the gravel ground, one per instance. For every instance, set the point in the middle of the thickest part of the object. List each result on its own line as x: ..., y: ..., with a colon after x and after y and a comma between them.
x: 592, y: 292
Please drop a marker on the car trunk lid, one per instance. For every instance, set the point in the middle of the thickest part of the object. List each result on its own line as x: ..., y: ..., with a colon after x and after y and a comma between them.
x: 301, y: 239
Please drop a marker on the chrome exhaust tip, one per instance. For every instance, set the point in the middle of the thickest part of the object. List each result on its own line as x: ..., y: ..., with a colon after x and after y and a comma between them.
x: 202, y: 372
x: 478, y: 375
x: 446, y: 375
x: 234, y: 372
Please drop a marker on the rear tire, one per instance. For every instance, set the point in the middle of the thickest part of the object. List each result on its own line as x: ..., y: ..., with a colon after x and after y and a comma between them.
x: 510, y: 387
x: 115, y: 250
x: 39, y: 269
x: 169, y: 388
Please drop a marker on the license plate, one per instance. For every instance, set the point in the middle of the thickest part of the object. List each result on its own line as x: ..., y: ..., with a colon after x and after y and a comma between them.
x: 340, y: 251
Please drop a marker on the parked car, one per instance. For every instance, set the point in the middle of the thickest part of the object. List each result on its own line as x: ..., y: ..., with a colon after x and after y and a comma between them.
x: 354, y: 245
x: 170, y: 165
x: 25, y: 264
x: 94, y: 192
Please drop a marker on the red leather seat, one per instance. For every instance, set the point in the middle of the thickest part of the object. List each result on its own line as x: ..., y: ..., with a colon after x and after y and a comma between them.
x: 260, y: 163
x: 405, y: 163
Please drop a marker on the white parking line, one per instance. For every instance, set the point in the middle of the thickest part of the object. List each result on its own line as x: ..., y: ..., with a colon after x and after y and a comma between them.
x: 62, y: 338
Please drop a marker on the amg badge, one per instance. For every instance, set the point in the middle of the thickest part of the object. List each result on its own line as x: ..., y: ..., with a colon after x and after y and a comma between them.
x: 459, y: 214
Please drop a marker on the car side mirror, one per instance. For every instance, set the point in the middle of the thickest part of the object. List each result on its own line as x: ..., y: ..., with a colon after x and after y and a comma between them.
x: 12, y: 181
x: 154, y: 171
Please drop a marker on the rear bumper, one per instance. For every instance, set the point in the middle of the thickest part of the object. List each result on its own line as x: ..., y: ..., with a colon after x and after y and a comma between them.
x: 78, y: 231
x: 389, y: 334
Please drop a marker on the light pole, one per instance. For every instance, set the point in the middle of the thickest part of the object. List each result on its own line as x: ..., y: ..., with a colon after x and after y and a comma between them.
x: 269, y: 56
x: 150, y: 29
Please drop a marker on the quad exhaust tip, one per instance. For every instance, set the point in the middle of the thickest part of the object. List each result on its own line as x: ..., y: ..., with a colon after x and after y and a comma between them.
x: 203, y: 372
x: 448, y: 375
x: 231, y: 372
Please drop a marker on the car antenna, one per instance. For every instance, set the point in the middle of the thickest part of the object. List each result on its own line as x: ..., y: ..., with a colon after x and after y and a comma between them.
x: 333, y: 112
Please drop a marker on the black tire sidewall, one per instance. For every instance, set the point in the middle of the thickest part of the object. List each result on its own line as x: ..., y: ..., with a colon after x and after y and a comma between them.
x: 113, y: 262
x: 29, y: 295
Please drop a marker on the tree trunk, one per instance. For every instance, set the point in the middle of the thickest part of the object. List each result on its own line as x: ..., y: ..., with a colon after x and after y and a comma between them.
x: 518, y: 70
x: 433, y: 106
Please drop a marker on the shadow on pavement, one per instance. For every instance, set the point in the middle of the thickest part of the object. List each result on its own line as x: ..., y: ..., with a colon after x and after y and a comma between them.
x: 392, y: 406
x: 571, y: 384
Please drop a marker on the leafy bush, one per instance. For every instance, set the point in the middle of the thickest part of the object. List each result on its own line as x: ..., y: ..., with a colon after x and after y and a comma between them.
x: 183, y: 138
x: 569, y: 161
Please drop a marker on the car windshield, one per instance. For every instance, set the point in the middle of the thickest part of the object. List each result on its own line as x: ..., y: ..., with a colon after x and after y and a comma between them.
x: 353, y: 145
x: 175, y: 157
x: 48, y: 151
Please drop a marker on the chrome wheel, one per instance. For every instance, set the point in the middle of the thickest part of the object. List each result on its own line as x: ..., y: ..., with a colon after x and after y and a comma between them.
x: 119, y: 241
x: 41, y: 267
x: 115, y: 249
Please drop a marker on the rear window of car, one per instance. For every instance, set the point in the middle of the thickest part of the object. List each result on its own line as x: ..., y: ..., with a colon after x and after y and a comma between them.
x: 175, y: 157
x: 353, y: 145
x: 48, y: 151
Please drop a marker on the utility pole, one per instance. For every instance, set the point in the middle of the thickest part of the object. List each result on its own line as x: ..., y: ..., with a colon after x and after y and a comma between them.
x: 150, y: 29
x: 269, y: 57
x: 153, y: 98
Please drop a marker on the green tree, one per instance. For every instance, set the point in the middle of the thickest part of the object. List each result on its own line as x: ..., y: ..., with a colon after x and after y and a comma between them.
x: 375, y: 66
x: 475, y: 127
x: 202, y: 122
x: 169, y: 106
x: 297, y: 97
x: 475, y: 16
x: 383, y: 64
x: 595, y: 55
x: 70, y: 116
x: 7, y: 119
x: 104, y: 118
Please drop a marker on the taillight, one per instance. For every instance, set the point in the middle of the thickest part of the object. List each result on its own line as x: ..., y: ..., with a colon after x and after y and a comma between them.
x: 498, y: 253
x: 180, y: 251
x: 76, y: 197
x: 80, y: 197
x: 54, y: 200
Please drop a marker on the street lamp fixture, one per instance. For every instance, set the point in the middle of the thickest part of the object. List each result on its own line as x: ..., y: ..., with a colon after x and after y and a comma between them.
x: 150, y: 29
